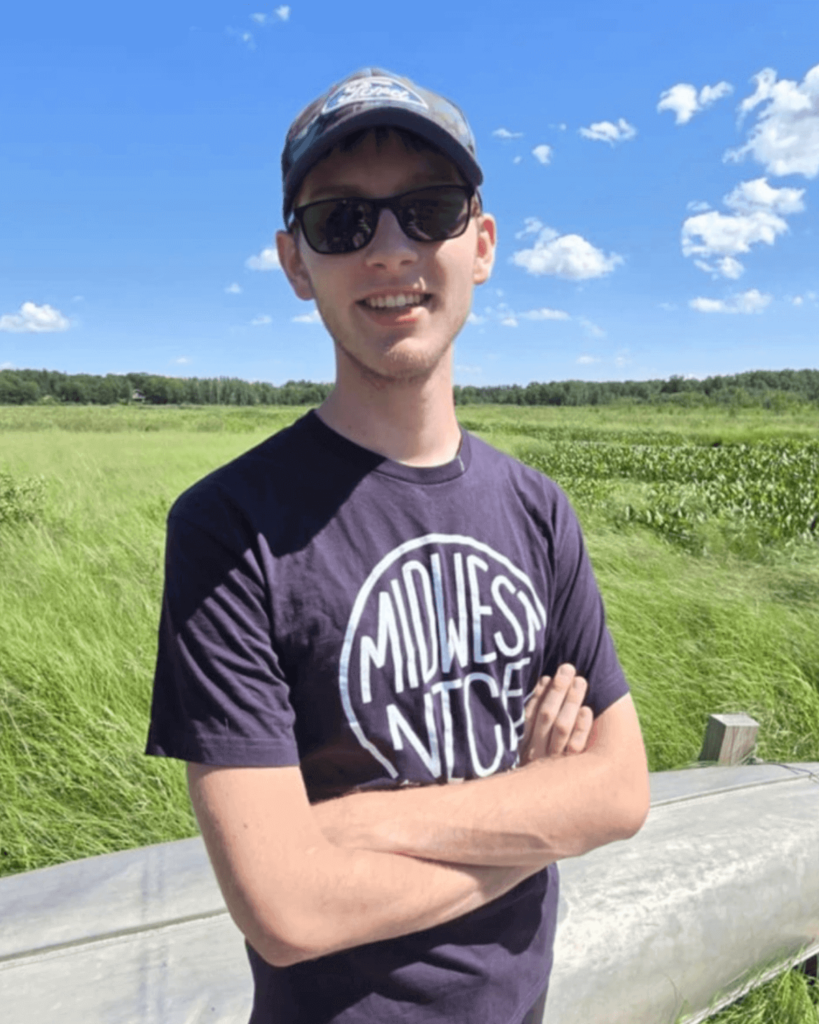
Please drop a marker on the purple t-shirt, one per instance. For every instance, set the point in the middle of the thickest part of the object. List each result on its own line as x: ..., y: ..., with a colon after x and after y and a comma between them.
x: 379, y: 625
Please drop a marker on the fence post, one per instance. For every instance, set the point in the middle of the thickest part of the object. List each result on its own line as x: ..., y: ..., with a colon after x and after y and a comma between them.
x: 729, y: 739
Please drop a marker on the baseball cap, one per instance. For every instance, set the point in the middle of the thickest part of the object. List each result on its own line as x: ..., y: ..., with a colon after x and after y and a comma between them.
x: 369, y: 98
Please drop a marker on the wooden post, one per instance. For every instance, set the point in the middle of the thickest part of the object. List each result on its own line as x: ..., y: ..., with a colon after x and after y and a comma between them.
x: 729, y: 739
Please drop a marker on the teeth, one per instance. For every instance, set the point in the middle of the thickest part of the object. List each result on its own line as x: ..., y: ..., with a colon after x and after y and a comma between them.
x: 392, y: 301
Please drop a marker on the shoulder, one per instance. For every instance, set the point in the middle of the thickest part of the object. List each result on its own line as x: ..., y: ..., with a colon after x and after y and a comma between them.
x: 282, y: 492
x: 537, y: 494
x: 297, y: 474
x: 236, y: 484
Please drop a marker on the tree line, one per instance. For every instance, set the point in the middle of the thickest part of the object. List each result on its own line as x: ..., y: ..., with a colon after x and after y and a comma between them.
x: 25, y: 387
x: 767, y: 387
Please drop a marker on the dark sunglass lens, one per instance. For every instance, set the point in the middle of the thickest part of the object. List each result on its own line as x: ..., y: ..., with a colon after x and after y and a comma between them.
x: 338, y: 225
x: 434, y: 214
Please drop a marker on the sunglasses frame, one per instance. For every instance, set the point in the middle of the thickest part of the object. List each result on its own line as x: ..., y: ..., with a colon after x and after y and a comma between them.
x: 392, y: 203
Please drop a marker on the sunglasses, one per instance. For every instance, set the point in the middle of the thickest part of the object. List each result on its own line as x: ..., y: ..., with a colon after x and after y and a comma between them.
x: 433, y: 214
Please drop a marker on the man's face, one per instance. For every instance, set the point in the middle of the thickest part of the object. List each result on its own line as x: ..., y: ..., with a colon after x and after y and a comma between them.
x: 401, y: 342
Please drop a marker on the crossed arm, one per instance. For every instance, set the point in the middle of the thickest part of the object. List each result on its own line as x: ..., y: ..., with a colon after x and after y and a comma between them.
x: 302, y: 881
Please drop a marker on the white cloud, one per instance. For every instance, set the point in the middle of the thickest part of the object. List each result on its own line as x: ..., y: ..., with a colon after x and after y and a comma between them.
x: 669, y: 307
x: 34, y: 319
x: 244, y: 37
x: 757, y: 217
x: 587, y: 360
x: 622, y: 358
x: 233, y: 289
x: 752, y: 301
x: 282, y: 13
x: 517, y: 159
x: 6, y: 366
x: 307, y: 318
x: 711, y: 93
x: 567, y: 256
x: 531, y: 226
x: 697, y: 207
x: 182, y: 360
x: 605, y: 131
x: 504, y: 315
x: 261, y: 321
x: 542, y: 153
x: 591, y: 328
x: 722, y: 234
x: 797, y: 300
x: 684, y: 100
x: 785, y: 138
x: 759, y: 195
x: 545, y: 314
x: 725, y: 267
x: 268, y: 259
x: 504, y: 133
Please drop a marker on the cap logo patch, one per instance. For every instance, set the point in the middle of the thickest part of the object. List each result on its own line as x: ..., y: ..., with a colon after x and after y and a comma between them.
x: 372, y: 90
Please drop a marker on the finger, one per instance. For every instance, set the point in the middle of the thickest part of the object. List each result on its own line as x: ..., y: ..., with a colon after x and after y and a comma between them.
x: 564, y: 723
x: 579, y: 739
x: 550, y: 706
x: 530, y: 711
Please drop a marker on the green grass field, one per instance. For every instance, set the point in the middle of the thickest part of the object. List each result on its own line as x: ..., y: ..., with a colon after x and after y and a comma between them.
x: 701, y: 526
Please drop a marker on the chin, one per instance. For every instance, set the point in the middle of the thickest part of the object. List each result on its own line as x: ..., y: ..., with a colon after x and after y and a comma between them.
x: 395, y: 367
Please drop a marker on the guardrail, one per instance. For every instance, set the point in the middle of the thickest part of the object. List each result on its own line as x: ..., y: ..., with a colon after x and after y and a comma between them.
x: 719, y: 887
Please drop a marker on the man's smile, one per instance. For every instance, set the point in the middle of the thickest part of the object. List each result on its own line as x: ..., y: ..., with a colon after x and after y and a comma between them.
x: 393, y: 300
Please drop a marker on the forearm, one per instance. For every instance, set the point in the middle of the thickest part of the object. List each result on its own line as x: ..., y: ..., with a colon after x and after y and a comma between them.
x: 359, y: 896
x: 296, y: 896
x: 548, y: 810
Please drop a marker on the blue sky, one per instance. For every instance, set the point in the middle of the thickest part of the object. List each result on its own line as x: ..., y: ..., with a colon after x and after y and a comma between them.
x: 653, y: 168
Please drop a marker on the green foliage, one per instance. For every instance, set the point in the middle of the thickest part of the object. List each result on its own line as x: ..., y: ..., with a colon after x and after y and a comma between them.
x: 18, y: 387
x: 787, y: 999
x: 16, y: 390
x: 751, y: 495
x: 776, y: 390
x: 81, y: 586
x: 147, y: 419
x: 769, y: 389
x: 79, y: 600
x: 21, y: 500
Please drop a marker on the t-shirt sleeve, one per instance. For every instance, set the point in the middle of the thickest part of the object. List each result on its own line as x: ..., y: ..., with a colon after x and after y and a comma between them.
x: 579, y: 633
x: 220, y: 696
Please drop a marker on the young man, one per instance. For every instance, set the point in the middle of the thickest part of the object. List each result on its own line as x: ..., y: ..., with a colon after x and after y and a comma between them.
x: 371, y: 620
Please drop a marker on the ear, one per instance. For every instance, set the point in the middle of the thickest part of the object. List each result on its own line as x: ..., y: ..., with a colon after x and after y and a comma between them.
x: 293, y: 265
x: 485, y: 247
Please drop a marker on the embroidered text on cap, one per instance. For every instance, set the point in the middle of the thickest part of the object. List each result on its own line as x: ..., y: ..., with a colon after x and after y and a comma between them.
x: 372, y: 90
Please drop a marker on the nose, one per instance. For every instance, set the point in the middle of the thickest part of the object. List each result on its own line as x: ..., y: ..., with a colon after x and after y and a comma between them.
x: 390, y: 247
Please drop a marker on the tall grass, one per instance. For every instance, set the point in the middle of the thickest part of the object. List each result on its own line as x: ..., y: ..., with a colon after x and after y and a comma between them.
x: 787, y: 999
x: 81, y: 586
x: 719, y: 629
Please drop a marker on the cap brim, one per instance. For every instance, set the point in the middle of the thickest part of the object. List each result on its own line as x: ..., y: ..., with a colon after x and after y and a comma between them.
x: 381, y: 117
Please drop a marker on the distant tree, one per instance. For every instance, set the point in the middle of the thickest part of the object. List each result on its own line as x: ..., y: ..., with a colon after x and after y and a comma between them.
x: 754, y: 387
x: 16, y: 391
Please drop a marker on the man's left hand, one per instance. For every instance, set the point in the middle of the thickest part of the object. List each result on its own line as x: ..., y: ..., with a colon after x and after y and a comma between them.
x: 556, y: 721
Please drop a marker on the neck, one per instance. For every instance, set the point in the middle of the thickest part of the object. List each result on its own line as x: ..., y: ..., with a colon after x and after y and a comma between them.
x: 410, y: 421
